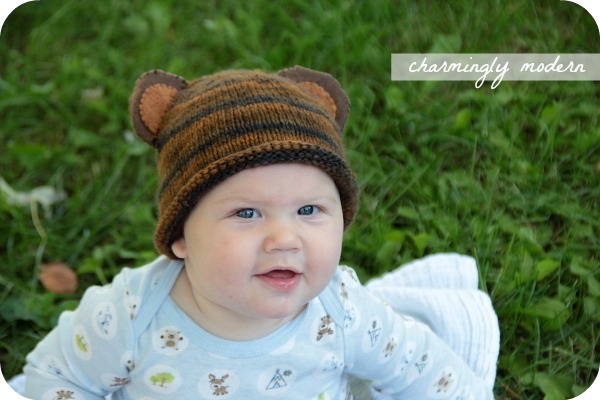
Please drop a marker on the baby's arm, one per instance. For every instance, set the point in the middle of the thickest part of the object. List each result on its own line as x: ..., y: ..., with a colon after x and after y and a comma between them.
x: 86, y: 356
x: 402, y: 357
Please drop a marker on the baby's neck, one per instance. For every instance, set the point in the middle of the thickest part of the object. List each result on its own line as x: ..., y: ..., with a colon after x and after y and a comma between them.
x: 216, y: 323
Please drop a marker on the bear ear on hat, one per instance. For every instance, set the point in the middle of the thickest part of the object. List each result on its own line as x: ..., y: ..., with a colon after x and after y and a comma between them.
x: 323, y: 86
x: 152, y: 96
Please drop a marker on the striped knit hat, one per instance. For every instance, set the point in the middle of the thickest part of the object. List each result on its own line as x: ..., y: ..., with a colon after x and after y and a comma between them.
x: 211, y: 128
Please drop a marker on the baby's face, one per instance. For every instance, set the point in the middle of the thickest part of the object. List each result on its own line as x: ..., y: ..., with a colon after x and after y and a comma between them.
x: 263, y: 243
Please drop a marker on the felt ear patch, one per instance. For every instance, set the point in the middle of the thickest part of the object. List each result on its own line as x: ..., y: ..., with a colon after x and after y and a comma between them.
x: 325, y: 87
x: 154, y: 103
x: 152, y: 97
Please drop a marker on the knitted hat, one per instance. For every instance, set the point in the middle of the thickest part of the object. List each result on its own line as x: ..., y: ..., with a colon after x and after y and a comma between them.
x: 209, y: 129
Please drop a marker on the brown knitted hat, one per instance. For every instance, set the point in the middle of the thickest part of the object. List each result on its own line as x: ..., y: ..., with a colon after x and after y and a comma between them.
x: 211, y: 128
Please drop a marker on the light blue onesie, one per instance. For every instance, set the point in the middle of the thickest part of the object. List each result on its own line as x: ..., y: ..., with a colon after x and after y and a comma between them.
x: 130, y: 339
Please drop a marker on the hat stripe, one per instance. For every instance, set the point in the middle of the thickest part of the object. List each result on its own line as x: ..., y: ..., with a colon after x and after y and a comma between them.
x: 220, y: 127
x: 255, y: 82
x: 171, y: 132
x: 208, y: 83
x: 237, y: 140
x: 240, y: 80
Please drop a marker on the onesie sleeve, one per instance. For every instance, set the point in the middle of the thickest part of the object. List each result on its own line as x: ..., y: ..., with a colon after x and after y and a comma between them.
x: 89, y: 354
x: 401, y: 357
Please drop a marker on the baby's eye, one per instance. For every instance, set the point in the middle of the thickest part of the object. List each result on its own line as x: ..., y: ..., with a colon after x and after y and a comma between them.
x: 247, y: 213
x: 308, y: 210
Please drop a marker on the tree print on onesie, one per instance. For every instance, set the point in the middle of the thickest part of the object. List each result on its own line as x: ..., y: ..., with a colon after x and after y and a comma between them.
x: 162, y: 379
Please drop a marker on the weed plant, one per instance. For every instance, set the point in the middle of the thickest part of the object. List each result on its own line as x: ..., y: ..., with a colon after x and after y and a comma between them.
x: 510, y: 176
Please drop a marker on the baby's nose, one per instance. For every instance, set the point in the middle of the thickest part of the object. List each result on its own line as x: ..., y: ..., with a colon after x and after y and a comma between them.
x: 282, y: 236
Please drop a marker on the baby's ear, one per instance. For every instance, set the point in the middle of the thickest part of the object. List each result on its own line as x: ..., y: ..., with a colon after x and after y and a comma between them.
x: 153, y: 95
x: 325, y: 87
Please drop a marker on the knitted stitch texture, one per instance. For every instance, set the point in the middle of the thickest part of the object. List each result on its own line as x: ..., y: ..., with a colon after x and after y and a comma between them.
x: 209, y: 129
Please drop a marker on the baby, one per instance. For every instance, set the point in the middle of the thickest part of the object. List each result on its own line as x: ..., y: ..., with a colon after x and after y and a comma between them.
x: 248, y: 300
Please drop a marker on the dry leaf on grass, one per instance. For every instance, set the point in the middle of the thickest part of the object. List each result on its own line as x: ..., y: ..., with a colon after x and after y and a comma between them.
x: 57, y: 277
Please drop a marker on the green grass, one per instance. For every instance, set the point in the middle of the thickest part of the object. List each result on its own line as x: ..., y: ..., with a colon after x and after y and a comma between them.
x: 509, y: 176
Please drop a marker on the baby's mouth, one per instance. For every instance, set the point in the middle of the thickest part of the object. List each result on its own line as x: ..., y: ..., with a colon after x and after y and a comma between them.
x: 283, y: 280
x: 281, y: 274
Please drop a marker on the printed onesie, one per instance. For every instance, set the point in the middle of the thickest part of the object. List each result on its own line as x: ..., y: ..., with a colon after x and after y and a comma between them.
x: 131, y: 340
